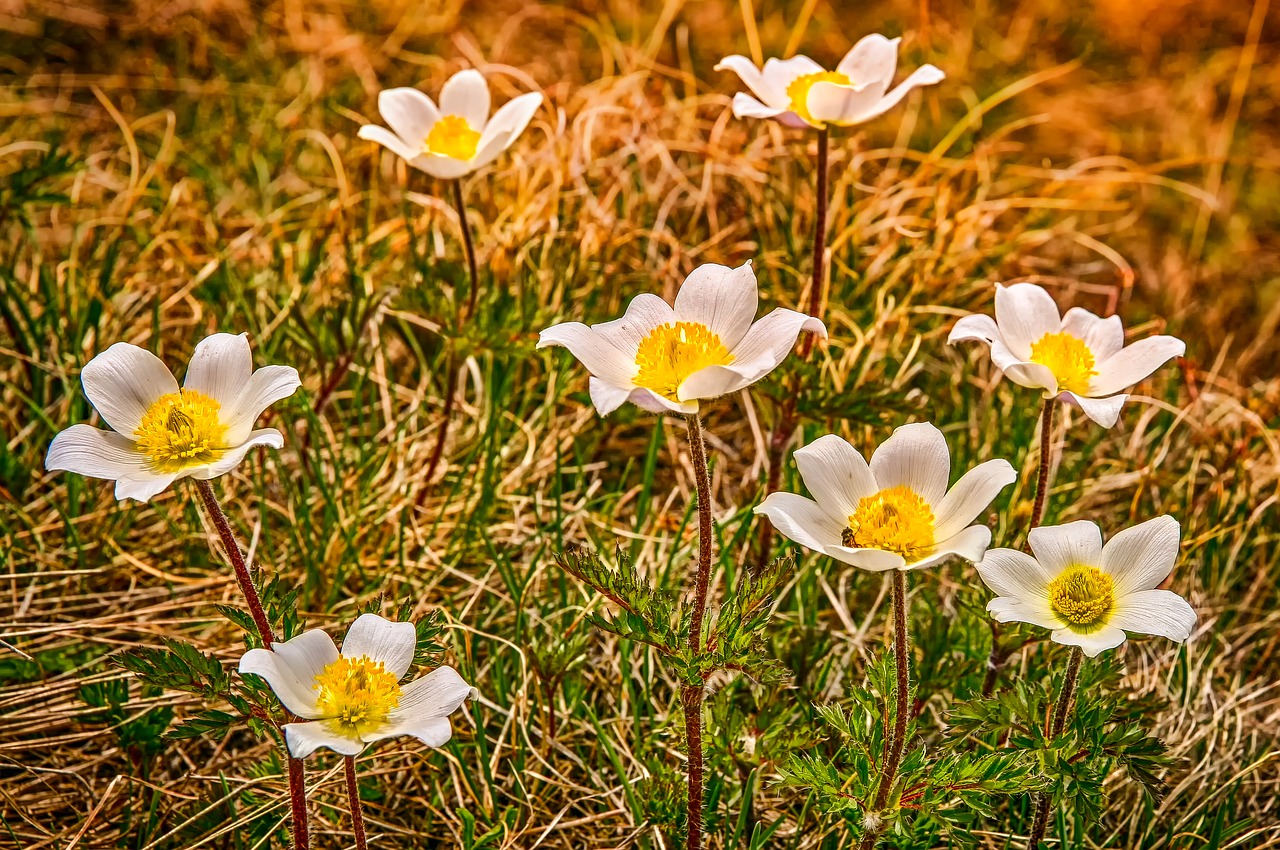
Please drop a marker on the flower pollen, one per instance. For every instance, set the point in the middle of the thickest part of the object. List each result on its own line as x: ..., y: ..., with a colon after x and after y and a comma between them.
x: 673, y: 352
x: 356, y: 695
x: 453, y: 137
x: 1083, y: 596
x: 181, y: 430
x: 1068, y: 358
x: 896, y: 519
x: 798, y: 90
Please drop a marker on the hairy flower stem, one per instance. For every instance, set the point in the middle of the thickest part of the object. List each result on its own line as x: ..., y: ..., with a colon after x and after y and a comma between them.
x: 467, y: 246
x: 297, y: 776
x: 1061, y: 712
x: 1000, y: 654
x: 788, y: 421
x: 691, y: 696
x: 896, y: 741
x: 357, y: 811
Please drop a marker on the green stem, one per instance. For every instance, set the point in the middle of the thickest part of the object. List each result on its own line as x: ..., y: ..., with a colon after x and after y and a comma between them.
x: 895, y: 742
x: 1061, y: 712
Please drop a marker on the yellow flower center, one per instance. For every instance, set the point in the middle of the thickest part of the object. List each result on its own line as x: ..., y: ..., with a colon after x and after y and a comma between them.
x: 1068, y: 358
x: 181, y: 430
x: 453, y: 137
x: 1083, y: 596
x: 671, y: 353
x: 799, y: 88
x: 895, y: 520
x: 356, y: 695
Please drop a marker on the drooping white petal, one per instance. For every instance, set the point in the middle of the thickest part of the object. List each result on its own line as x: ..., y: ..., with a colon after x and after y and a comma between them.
x: 389, y: 140
x: 872, y: 62
x: 754, y: 80
x: 123, y: 382
x: 508, y: 122
x: 304, y: 739
x: 1104, y: 411
x: 645, y: 313
x: 466, y: 94
x: 602, y: 356
x: 872, y: 560
x: 916, y: 456
x: 291, y: 667
x: 435, y: 732
x: 1155, y: 612
x: 437, y: 694
x: 1027, y: 374
x: 970, y: 496
x: 1017, y: 575
x: 220, y: 367
x: 232, y: 457
x: 96, y: 453
x: 1058, y: 547
x: 721, y: 298
x: 1007, y: 609
x: 607, y: 397
x: 837, y: 476
x: 801, y: 520
x: 443, y: 167
x: 1025, y: 313
x: 1104, y: 337
x: 925, y: 75
x: 647, y: 399
x: 410, y: 113
x: 765, y: 345
x: 832, y: 103
x: 970, y: 544
x: 379, y: 639
x: 143, y: 486
x: 746, y: 106
x: 264, y: 388
x: 1134, y: 363
x: 490, y: 148
x: 1108, y: 637
x: 1141, y: 557
x: 976, y: 327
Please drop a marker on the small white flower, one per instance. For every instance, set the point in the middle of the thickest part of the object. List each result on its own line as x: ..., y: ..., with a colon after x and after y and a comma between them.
x: 354, y: 698
x: 666, y: 358
x: 459, y: 136
x: 1079, y: 357
x: 894, y: 513
x: 1087, y: 593
x: 162, y: 433
x: 799, y: 93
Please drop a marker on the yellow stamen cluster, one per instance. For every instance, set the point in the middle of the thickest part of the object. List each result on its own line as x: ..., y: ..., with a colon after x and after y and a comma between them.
x: 453, y: 137
x: 181, y: 430
x: 356, y: 695
x: 1083, y: 596
x: 896, y: 519
x: 798, y: 90
x: 1068, y: 358
x: 671, y: 353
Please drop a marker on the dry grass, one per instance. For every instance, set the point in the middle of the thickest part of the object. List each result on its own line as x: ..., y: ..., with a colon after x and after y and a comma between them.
x: 216, y: 183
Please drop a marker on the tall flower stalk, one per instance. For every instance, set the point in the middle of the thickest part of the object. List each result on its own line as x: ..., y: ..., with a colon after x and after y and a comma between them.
x: 357, y: 810
x: 1061, y: 711
x: 896, y: 739
x: 691, y: 695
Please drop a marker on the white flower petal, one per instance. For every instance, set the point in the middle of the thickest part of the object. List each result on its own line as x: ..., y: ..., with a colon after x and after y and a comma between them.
x: 1017, y: 575
x: 435, y: 732
x: 926, y: 75
x: 291, y: 667
x: 1104, y: 411
x: 144, y: 486
x: 389, y: 140
x: 836, y: 475
x: 872, y: 62
x: 754, y: 80
x: 409, y: 113
x: 711, y: 382
x: 304, y: 739
x: 1058, y: 547
x: 971, y: 495
x: 607, y: 397
x: 970, y: 544
x: 510, y: 120
x: 1025, y: 374
x: 1104, y: 337
x: 1141, y: 557
x: 123, y: 382
x: 780, y: 73
x: 872, y: 560
x: 378, y: 639
x: 443, y: 167
x: 801, y: 520
x: 220, y: 367
x: 466, y: 94
x: 1108, y: 637
x: 95, y: 453
x: 491, y: 148
x: 843, y: 106
x: 770, y: 340
x: 1155, y: 612
x: 1025, y: 313
x: 264, y: 388
x: 1134, y: 363
x: 232, y: 457
x: 602, y: 356
x: 916, y: 456
x: 976, y: 327
x: 437, y: 694
x: 746, y: 106
x: 1006, y: 609
x: 646, y: 399
x: 721, y: 298
x: 645, y: 313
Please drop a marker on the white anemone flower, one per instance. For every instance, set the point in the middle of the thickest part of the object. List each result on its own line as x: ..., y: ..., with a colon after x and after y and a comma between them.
x: 1080, y: 357
x: 160, y: 432
x: 1087, y: 593
x: 353, y: 698
x: 457, y: 137
x: 799, y: 93
x: 666, y: 359
x: 894, y: 513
